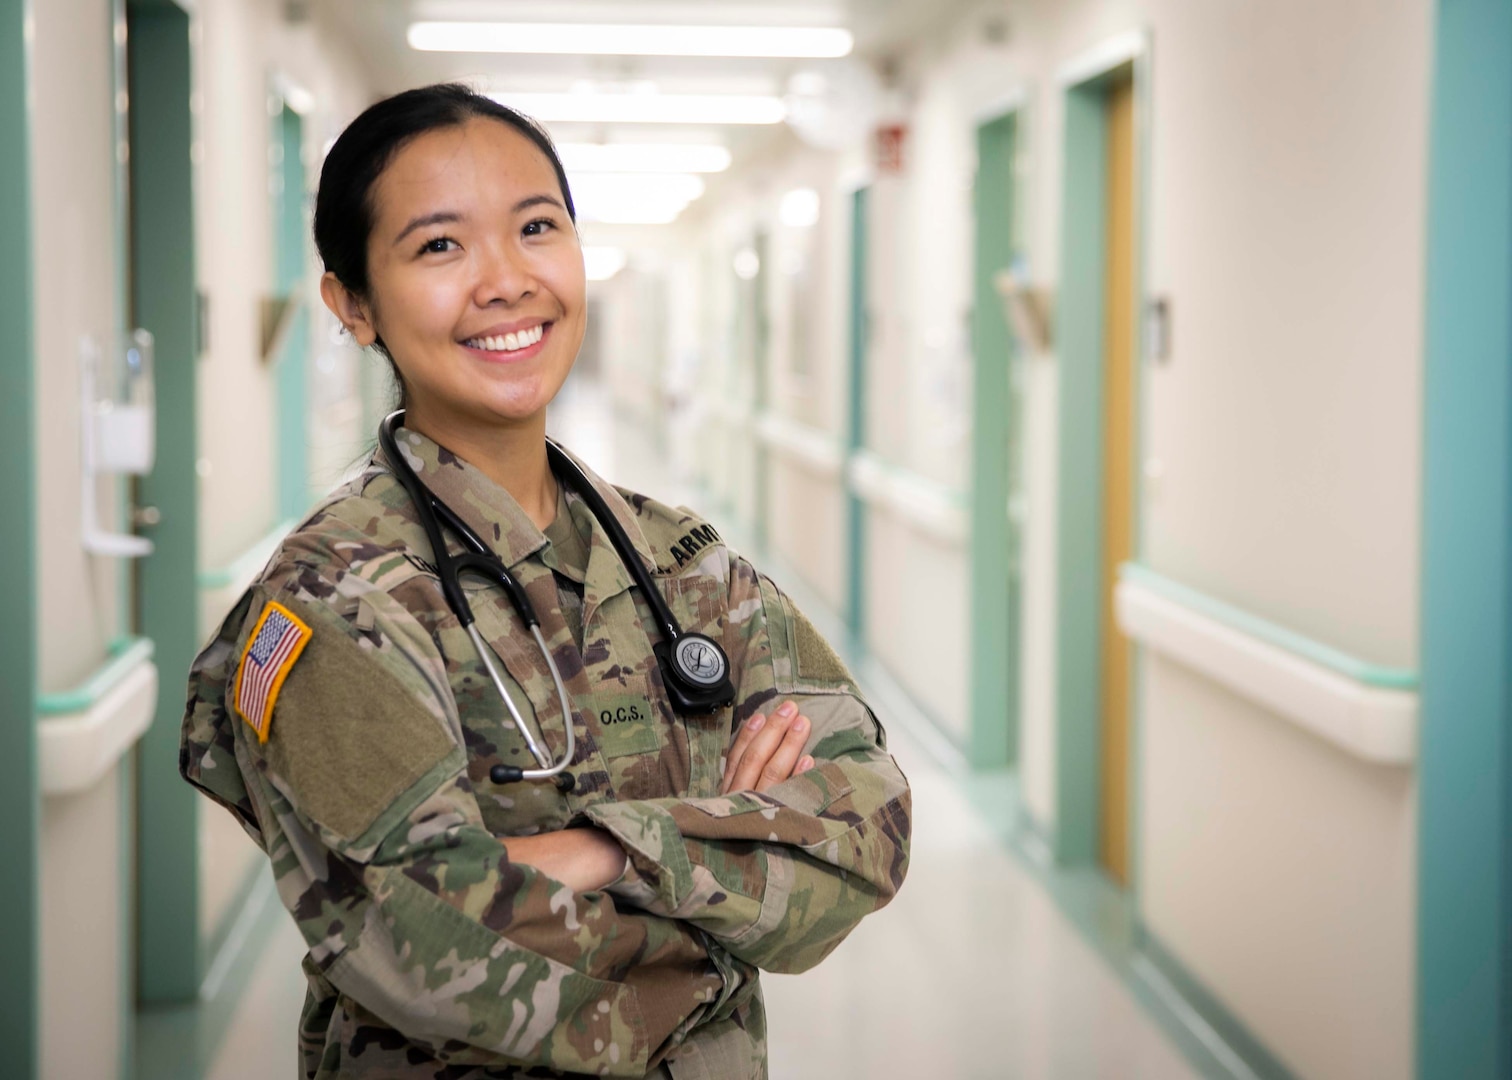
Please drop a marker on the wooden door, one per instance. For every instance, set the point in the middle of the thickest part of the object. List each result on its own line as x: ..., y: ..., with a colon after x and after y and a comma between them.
x: 1118, y: 471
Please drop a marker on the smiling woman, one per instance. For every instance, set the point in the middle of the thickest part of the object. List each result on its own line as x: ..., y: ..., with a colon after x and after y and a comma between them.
x: 722, y: 800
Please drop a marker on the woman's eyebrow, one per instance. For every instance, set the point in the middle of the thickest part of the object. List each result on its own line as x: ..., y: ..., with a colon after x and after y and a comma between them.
x: 450, y: 217
x: 440, y: 217
x: 537, y: 200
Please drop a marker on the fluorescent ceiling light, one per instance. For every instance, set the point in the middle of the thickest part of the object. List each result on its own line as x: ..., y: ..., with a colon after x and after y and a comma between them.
x: 599, y: 39
x: 800, y: 208
x: 611, y: 108
x: 625, y: 214
x: 747, y: 264
x: 643, y: 157
x: 673, y: 187
x: 602, y: 263
x: 633, y: 199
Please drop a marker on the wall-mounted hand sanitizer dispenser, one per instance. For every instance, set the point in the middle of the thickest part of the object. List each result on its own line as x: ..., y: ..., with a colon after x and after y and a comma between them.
x: 118, y: 427
x: 124, y: 428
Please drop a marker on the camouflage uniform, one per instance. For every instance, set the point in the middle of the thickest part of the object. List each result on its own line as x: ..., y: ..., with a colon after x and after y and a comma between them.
x: 430, y: 953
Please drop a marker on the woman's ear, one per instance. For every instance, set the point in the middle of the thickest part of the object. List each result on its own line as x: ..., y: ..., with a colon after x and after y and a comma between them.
x: 347, y: 307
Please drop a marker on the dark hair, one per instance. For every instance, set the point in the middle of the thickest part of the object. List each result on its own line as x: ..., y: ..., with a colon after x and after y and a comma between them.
x: 344, y: 202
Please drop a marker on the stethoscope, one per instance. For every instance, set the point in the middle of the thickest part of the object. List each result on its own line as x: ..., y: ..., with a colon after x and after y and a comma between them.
x: 695, y: 670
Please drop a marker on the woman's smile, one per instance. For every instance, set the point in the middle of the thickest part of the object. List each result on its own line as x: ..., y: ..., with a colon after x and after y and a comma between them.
x: 500, y: 345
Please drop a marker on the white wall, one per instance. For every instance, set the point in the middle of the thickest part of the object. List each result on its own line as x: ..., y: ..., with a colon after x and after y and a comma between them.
x: 1284, y: 212
x: 85, y: 892
x: 73, y: 226
x: 82, y: 885
x: 242, y: 45
x: 1281, y: 871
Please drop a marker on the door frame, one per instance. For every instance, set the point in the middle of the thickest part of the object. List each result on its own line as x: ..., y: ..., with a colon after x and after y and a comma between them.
x: 1079, y: 580
x: 858, y: 200
x: 20, y: 786
x: 994, y: 550
x: 761, y: 383
x: 290, y: 361
x: 1464, y: 911
x: 169, y: 949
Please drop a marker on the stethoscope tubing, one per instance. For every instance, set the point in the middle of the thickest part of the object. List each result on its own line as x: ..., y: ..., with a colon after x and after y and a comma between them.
x: 692, y: 690
x: 479, y: 560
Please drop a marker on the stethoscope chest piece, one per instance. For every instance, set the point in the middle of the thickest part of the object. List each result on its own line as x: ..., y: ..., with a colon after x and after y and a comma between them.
x: 696, y: 673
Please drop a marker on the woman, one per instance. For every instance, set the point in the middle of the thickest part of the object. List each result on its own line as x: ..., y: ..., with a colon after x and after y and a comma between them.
x: 463, y: 922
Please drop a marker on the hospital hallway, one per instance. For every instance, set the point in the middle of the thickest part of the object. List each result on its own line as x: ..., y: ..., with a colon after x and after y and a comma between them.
x: 1123, y: 388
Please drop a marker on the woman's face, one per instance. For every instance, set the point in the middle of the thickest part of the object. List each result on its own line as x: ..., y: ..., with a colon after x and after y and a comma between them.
x: 476, y: 277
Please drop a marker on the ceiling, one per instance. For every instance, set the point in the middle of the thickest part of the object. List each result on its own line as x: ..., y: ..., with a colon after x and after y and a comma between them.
x: 376, y: 29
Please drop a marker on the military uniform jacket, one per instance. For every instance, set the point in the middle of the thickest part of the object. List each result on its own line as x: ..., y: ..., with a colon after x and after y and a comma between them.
x: 431, y: 954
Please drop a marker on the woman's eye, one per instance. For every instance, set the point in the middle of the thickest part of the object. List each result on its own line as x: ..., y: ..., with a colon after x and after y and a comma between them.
x: 539, y: 226
x: 437, y: 245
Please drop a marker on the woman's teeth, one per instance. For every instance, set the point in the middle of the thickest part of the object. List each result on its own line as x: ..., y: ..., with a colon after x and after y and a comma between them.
x: 508, y: 342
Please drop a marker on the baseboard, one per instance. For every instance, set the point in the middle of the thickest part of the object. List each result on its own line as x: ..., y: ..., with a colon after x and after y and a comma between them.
x: 1201, y: 1012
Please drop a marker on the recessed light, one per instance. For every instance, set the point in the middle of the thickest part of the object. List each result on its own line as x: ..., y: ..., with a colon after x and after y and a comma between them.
x: 598, y: 39
x: 643, y: 157
x: 613, y: 108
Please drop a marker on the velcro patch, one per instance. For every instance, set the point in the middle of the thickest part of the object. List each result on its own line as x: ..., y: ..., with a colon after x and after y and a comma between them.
x: 814, y: 658
x: 273, y: 646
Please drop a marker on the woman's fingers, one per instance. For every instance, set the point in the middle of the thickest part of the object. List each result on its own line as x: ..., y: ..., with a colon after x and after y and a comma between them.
x: 779, y: 766
x: 766, y: 755
x: 743, y: 740
x: 741, y: 775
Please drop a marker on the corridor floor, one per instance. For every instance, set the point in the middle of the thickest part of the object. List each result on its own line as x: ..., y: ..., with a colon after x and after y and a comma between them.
x: 972, y: 972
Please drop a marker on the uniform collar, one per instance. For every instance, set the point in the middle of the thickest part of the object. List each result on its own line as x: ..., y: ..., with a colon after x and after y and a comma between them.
x: 499, y: 520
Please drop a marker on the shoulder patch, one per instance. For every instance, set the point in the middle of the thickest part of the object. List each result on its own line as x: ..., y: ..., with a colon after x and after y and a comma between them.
x: 272, y: 648
x: 691, y: 542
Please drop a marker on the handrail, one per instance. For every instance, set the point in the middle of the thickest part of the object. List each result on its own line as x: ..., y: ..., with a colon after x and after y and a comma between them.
x: 1335, y: 659
x: 927, y: 505
x: 804, y: 443
x: 82, y: 733
x: 126, y: 654
x: 733, y: 412
x: 246, y: 565
x: 1370, y: 712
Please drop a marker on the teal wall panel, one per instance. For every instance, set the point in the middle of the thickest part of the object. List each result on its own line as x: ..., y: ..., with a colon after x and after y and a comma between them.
x: 291, y: 374
x: 1464, y: 934
x: 20, y: 801
x: 761, y: 374
x: 1078, y: 572
x: 994, y: 544
x: 855, y: 428
x: 163, y: 295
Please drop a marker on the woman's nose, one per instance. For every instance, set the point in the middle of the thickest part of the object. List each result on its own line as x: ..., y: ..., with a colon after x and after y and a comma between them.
x: 504, y: 275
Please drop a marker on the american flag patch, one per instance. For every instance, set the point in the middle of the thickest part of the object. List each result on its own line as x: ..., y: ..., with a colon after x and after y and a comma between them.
x: 275, y: 644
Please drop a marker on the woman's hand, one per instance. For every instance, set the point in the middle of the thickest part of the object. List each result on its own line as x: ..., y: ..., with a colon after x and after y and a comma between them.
x: 584, y: 860
x: 767, y: 751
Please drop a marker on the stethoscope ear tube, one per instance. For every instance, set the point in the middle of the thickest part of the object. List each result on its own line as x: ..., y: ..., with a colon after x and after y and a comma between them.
x: 695, y: 669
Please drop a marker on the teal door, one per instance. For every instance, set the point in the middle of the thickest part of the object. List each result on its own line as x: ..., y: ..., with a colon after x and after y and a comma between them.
x: 163, y: 302
x: 996, y: 467
x: 290, y: 374
x: 855, y: 434
x: 20, y: 797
